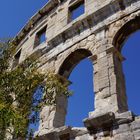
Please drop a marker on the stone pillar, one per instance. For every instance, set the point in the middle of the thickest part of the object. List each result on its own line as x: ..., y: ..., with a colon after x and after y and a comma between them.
x: 109, y: 89
x: 52, y: 116
x: 61, y: 111
x: 109, y: 82
x: 117, y: 79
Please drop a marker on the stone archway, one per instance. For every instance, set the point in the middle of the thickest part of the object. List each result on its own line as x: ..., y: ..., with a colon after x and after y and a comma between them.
x: 125, y: 31
x: 130, y: 50
x: 121, y: 36
x: 72, y: 60
x: 65, y: 70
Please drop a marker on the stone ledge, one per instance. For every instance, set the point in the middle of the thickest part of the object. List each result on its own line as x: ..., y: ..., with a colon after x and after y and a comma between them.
x: 95, y: 123
x: 49, y: 136
x: 62, y: 133
x: 125, y: 117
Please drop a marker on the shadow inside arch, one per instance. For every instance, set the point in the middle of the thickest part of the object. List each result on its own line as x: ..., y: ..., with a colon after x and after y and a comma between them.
x: 123, y: 34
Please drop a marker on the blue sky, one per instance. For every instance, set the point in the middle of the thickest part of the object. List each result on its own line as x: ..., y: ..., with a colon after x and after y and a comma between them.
x: 15, y: 13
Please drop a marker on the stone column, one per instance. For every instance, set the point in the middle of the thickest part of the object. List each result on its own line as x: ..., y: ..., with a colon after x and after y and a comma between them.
x: 117, y: 79
x: 52, y: 116
x: 109, y: 82
x: 109, y: 89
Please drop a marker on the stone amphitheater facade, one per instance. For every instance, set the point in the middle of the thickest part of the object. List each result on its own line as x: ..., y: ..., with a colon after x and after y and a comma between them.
x: 98, y: 34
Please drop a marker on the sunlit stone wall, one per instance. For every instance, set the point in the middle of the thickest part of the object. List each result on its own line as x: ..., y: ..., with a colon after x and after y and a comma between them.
x: 98, y: 34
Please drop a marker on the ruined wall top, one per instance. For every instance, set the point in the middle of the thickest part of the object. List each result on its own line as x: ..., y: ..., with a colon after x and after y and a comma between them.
x: 54, y: 19
x: 56, y: 9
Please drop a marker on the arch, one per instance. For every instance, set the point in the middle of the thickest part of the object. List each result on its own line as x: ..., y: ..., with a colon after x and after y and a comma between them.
x: 131, y: 69
x: 125, y: 31
x: 82, y: 86
x: 72, y: 60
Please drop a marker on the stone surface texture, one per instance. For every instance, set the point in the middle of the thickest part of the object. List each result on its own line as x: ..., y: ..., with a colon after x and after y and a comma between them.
x: 98, y: 34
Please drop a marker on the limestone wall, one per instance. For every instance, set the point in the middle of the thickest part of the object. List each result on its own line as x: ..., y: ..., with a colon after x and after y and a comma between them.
x: 98, y: 34
x: 56, y: 21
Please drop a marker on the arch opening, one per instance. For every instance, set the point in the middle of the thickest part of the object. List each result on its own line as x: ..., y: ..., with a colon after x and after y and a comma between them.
x: 126, y: 42
x: 78, y: 68
x: 124, y: 33
x: 72, y: 60
x: 131, y: 67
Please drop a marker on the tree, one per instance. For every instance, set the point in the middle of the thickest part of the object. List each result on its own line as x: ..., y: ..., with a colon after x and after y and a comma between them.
x: 17, y: 87
x: 16, y: 90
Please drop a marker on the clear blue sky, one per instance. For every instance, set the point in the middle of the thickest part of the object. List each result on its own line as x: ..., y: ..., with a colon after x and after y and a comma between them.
x: 15, y: 13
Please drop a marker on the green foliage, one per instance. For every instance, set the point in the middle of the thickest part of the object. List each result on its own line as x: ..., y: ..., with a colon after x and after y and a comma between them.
x: 16, y: 90
x: 56, y: 85
x: 17, y: 87
x: 5, y: 56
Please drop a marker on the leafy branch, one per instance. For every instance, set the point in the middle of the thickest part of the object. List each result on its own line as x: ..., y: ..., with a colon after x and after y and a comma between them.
x: 56, y: 85
x: 17, y: 88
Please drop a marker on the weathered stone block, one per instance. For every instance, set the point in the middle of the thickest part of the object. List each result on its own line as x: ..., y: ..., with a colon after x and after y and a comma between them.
x: 99, y: 122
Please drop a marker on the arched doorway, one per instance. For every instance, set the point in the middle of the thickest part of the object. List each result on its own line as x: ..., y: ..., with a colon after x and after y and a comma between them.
x: 78, y: 68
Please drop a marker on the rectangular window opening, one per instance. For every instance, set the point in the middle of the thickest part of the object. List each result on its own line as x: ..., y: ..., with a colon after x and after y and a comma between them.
x: 16, y: 59
x: 40, y: 37
x: 76, y: 10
